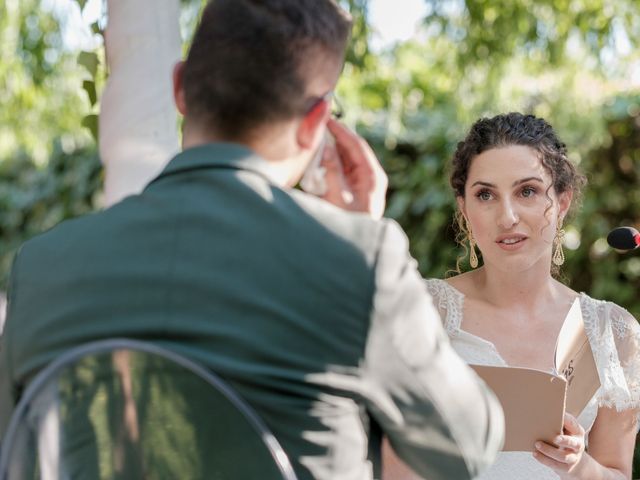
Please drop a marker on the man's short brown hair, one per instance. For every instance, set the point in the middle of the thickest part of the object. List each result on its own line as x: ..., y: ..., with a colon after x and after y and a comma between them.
x: 246, y: 65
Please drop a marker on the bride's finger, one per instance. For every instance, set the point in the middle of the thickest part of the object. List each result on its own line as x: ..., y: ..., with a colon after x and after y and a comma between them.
x: 571, y: 425
x: 568, y: 442
x: 559, y: 455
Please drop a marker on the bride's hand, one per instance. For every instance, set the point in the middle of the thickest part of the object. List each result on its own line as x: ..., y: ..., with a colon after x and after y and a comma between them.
x: 567, y: 452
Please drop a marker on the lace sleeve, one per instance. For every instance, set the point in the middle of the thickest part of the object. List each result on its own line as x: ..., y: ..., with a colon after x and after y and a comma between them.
x: 626, y: 335
x: 448, y: 302
x: 615, y: 338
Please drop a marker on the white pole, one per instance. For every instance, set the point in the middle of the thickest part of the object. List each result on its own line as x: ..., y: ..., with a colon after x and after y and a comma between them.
x: 138, y: 121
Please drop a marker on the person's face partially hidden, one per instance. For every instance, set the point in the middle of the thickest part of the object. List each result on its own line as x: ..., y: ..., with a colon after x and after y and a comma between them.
x: 510, y: 208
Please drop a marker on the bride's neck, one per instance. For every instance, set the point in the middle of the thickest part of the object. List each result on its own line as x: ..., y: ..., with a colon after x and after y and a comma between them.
x: 525, y: 289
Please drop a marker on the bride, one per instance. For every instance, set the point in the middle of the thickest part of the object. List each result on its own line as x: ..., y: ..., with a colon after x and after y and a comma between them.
x: 514, y: 186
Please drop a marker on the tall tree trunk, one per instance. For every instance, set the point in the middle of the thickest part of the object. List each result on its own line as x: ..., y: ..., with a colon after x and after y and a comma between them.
x: 138, y: 120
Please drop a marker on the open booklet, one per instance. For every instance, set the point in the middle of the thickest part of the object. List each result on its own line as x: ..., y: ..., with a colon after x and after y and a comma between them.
x: 534, y: 401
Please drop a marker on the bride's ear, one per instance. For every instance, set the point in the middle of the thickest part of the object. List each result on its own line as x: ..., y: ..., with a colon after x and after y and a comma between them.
x: 461, y: 206
x: 564, y: 203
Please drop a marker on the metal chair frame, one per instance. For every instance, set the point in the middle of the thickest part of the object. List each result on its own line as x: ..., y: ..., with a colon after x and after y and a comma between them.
x: 104, y: 346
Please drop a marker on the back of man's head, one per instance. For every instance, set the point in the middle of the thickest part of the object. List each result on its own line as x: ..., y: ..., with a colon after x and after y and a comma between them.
x: 250, y: 63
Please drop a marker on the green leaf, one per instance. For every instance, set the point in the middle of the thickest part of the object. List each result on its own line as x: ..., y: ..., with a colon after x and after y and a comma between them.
x: 81, y: 4
x: 89, y: 60
x: 91, y: 122
x: 95, y: 28
x: 90, y: 87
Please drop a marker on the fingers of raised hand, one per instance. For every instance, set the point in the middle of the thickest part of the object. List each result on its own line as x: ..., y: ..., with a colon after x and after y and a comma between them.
x: 354, y: 151
x: 336, y: 191
x: 362, y: 174
x: 350, y: 146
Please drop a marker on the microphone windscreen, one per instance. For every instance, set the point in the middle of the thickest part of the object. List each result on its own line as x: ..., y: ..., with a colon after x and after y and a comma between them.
x: 623, y: 238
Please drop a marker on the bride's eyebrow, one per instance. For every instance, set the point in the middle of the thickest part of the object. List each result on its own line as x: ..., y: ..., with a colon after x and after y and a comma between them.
x: 484, y: 184
x: 528, y: 179
x: 517, y: 182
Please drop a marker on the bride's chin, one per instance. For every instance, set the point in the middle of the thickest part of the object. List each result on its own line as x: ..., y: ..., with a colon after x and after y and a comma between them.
x: 511, y: 265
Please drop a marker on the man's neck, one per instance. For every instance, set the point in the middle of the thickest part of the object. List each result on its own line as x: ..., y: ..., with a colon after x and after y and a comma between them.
x: 273, y: 146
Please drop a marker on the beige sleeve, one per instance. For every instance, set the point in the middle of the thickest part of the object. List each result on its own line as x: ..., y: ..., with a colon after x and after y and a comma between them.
x: 439, y: 417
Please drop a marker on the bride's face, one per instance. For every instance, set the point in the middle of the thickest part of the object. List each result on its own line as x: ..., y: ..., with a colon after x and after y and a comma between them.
x: 511, y: 207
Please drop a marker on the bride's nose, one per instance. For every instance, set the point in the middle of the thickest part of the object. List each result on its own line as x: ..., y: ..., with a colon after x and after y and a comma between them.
x: 507, y: 216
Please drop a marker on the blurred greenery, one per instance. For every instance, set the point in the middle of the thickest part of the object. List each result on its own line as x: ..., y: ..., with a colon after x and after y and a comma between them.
x: 39, y: 84
x: 49, y: 169
x: 574, y: 62
x: 416, y: 100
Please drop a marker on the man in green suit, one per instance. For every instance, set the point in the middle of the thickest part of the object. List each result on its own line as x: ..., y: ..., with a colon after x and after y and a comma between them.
x: 311, y: 308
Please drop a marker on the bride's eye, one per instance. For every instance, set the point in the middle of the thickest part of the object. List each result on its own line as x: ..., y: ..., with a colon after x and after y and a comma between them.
x: 528, y: 192
x: 484, y: 195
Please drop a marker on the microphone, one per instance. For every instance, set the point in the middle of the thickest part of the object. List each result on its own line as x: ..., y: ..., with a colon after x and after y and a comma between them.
x: 624, y: 238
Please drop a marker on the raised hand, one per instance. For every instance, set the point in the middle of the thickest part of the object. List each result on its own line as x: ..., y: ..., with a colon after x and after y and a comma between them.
x: 355, y: 179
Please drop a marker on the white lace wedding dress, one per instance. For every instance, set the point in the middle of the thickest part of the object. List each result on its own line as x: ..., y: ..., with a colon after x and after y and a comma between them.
x: 614, y: 336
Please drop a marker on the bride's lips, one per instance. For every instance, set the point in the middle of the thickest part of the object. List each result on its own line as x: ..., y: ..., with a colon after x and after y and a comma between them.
x: 512, y: 241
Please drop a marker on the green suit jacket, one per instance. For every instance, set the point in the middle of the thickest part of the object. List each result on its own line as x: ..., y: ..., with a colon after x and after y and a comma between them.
x: 316, y: 316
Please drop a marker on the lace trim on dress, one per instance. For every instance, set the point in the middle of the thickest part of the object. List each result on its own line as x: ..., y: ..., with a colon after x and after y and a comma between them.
x: 614, y: 336
x: 449, y: 302
x: 613, y: 333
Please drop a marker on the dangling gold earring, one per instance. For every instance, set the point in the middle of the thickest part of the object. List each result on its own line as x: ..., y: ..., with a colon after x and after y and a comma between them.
x: 473, y: 258
x: 558, y: 253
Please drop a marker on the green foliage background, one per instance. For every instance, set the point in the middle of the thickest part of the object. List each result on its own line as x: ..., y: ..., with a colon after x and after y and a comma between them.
x: 570, y: 61
x: 49, y: 169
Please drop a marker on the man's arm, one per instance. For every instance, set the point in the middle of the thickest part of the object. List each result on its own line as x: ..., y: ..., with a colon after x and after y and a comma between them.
x: 438, y: 415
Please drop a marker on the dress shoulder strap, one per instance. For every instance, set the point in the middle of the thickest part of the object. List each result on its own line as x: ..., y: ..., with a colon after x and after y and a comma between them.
x: 449, y: 303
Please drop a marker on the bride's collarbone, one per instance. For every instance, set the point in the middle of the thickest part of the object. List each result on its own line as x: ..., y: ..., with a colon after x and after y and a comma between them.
x: 527, y: 353
x: 521, y: 342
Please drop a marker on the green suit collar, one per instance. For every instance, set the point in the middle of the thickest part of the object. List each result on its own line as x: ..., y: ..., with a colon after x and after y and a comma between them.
x: 217, y: 155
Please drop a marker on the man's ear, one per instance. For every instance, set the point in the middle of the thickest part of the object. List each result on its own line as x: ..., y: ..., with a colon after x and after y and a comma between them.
x: 311, y: 123
x: 178, y: 91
